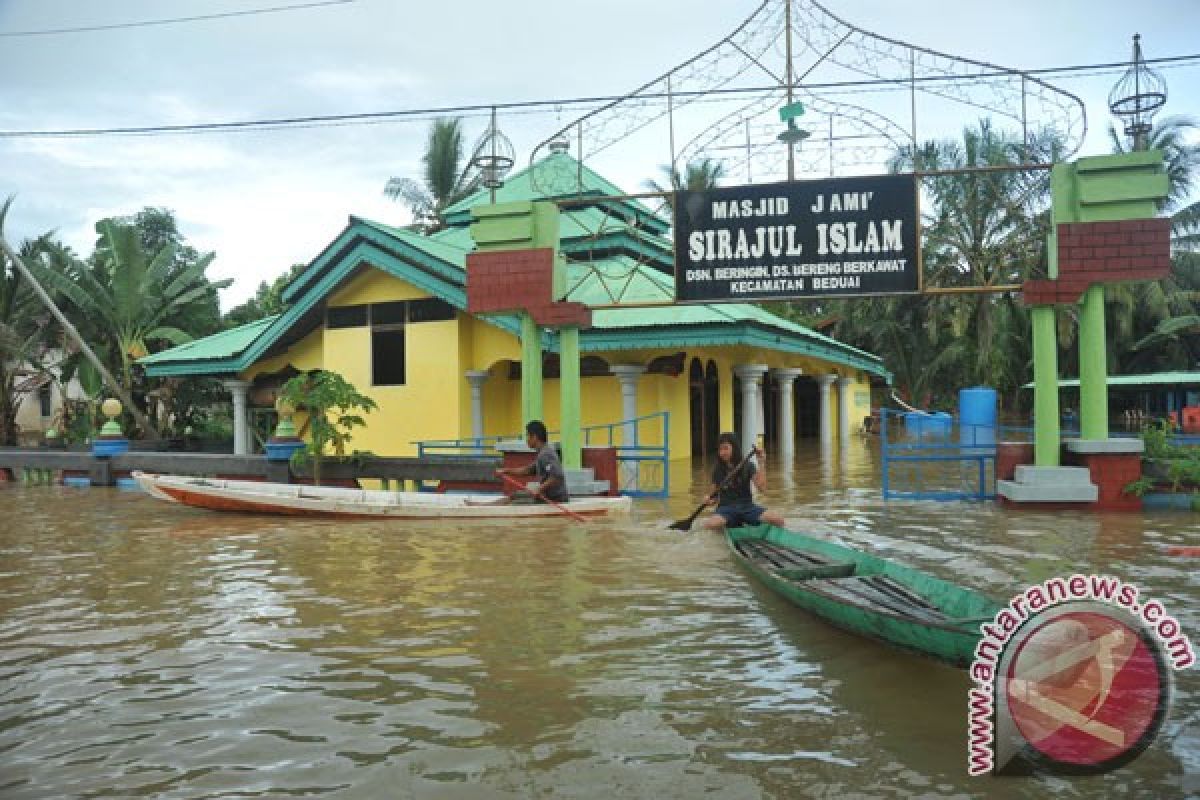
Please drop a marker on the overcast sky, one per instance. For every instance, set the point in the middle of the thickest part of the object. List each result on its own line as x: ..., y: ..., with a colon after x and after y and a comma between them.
x: 264, y: 200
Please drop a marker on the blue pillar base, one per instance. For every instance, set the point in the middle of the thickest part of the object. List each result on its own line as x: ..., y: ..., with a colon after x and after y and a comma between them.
x: 103, y: 448
x: 282, y: 449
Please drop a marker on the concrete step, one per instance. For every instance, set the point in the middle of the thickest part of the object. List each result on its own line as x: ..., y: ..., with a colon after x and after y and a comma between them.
x: 1052, y: 476
x: 1033, y: 493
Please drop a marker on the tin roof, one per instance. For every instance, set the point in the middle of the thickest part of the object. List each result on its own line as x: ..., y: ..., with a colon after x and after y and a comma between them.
x: 212, y: 348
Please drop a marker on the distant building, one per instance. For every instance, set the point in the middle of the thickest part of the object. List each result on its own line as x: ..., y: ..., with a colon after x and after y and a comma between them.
x: 41, y: 405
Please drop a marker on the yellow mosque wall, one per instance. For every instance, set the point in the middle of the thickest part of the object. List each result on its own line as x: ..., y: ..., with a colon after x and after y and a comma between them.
x: 435, y: 402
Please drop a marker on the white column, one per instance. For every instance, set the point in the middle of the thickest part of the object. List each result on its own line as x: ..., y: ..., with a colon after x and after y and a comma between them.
x: 787, y: 409
x: 750, y: 375
x: 628, y: 375
x: 826, y: 423
x: 476, y: 377
x: 843, y: 385
x: 241, y: 424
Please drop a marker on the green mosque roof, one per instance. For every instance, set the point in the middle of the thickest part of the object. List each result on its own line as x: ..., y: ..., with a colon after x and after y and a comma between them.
x: 617, y: 254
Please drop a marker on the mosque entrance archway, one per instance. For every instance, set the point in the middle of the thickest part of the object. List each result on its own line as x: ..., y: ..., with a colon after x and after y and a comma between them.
x: 703, y: 406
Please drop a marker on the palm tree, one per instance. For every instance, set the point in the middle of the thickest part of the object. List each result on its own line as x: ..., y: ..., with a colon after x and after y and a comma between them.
x: 446, y: 178
x: 698, y: 175
x: 1180, y: 155
x: 982, y: 230
x: 1153, y: 324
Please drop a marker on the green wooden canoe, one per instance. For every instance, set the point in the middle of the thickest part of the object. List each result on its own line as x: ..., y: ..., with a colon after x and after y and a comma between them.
x: 866, y: 594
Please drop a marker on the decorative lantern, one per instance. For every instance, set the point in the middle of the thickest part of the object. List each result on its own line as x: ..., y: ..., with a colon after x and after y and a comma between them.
x: 493, y: 156
x: 1138, y: 96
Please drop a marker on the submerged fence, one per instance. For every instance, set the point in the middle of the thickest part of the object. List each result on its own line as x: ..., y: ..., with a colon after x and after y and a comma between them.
x: 931, y: 457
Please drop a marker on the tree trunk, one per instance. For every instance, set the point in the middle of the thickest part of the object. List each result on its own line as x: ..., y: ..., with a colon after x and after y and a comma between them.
x: 118, y: 390
x: 8, y: 412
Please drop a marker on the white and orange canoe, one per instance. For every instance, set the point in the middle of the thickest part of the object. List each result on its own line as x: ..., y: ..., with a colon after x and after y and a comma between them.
x: 319, y: 501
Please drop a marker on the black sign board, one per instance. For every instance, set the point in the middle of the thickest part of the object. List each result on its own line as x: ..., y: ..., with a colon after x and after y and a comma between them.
x: 802, y: 239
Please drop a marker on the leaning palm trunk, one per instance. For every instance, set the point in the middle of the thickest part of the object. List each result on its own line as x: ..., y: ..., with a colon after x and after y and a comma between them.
x: 118, y: 390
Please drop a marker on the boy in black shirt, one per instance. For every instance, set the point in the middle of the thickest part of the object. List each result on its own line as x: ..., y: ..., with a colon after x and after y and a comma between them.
x: 734, y: 498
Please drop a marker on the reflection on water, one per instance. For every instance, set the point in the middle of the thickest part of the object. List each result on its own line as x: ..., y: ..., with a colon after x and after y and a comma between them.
x: 152, y: 651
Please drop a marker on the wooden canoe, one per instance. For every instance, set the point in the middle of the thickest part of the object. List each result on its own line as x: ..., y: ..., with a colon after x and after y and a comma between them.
x: 866, y: 594
x: 315, y: 501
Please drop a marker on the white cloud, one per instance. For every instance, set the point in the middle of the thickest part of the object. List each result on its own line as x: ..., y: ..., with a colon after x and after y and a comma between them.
x: 267, y: 199
x: 360, y: 81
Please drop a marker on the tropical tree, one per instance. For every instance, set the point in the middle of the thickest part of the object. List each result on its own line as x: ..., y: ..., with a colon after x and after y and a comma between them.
x: 698, y: 175
x: 157, y: 228
x: 1152, y: 322
x: 34, y: 274
x: 446, y: 179
x: 22, y: 334
x: 130, y: 301
x: 331, y: 402
x: 267, y: 300
x: 984, y: 226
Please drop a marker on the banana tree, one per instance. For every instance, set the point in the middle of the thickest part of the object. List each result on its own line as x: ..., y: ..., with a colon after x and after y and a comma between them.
x: 73, y: 334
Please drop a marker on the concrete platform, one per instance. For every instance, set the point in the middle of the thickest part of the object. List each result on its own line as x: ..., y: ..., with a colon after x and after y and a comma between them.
x: 1032, y: 484
x: 1119, y: 446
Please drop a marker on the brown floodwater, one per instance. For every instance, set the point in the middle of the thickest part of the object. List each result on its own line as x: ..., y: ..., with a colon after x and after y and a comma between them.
x: 154, y: 651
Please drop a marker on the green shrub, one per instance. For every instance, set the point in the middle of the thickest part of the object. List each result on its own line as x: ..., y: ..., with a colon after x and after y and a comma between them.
x: 1139, y: 487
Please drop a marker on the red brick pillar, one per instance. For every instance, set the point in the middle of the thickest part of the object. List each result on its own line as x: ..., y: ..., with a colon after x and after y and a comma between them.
x: 1112, y: 472
x: 1010, y: 455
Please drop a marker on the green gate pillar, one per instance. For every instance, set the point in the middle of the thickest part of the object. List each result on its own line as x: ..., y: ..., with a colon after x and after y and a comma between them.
x: 531, y: 369
x: 569, y: 396
x: 1045, y: 387
x: 1093, y: 366
x: 1099, y: 189
x: 1103, y: 189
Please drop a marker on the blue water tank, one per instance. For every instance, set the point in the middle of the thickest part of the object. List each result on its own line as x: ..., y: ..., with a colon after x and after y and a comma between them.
x: 977, y: 416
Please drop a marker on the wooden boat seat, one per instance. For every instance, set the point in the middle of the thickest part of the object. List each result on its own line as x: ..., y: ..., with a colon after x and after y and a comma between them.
x: 883, y: 593
x: 796, y: 565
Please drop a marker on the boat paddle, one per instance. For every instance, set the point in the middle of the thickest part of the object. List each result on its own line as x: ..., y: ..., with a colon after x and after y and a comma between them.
x: 686, y: 523
x: 543, y: 498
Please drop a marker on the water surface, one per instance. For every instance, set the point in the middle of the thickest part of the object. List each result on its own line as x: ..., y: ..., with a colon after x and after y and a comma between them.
x: 155, y: 651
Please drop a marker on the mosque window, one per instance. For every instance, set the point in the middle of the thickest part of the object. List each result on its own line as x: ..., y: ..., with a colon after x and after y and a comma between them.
x: 45, y: 400
x: 431, y: 309
x: 387, y: 356
x: 345, y: 317
x: 389, y: 313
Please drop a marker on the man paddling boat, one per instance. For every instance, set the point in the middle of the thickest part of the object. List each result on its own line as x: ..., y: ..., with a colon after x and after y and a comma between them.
x: 546, y: 466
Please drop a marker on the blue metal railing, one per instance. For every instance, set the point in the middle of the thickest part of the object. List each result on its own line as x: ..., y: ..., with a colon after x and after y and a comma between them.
x: 935, y: 459
x: 642, y: 469
x: 930, y: 457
